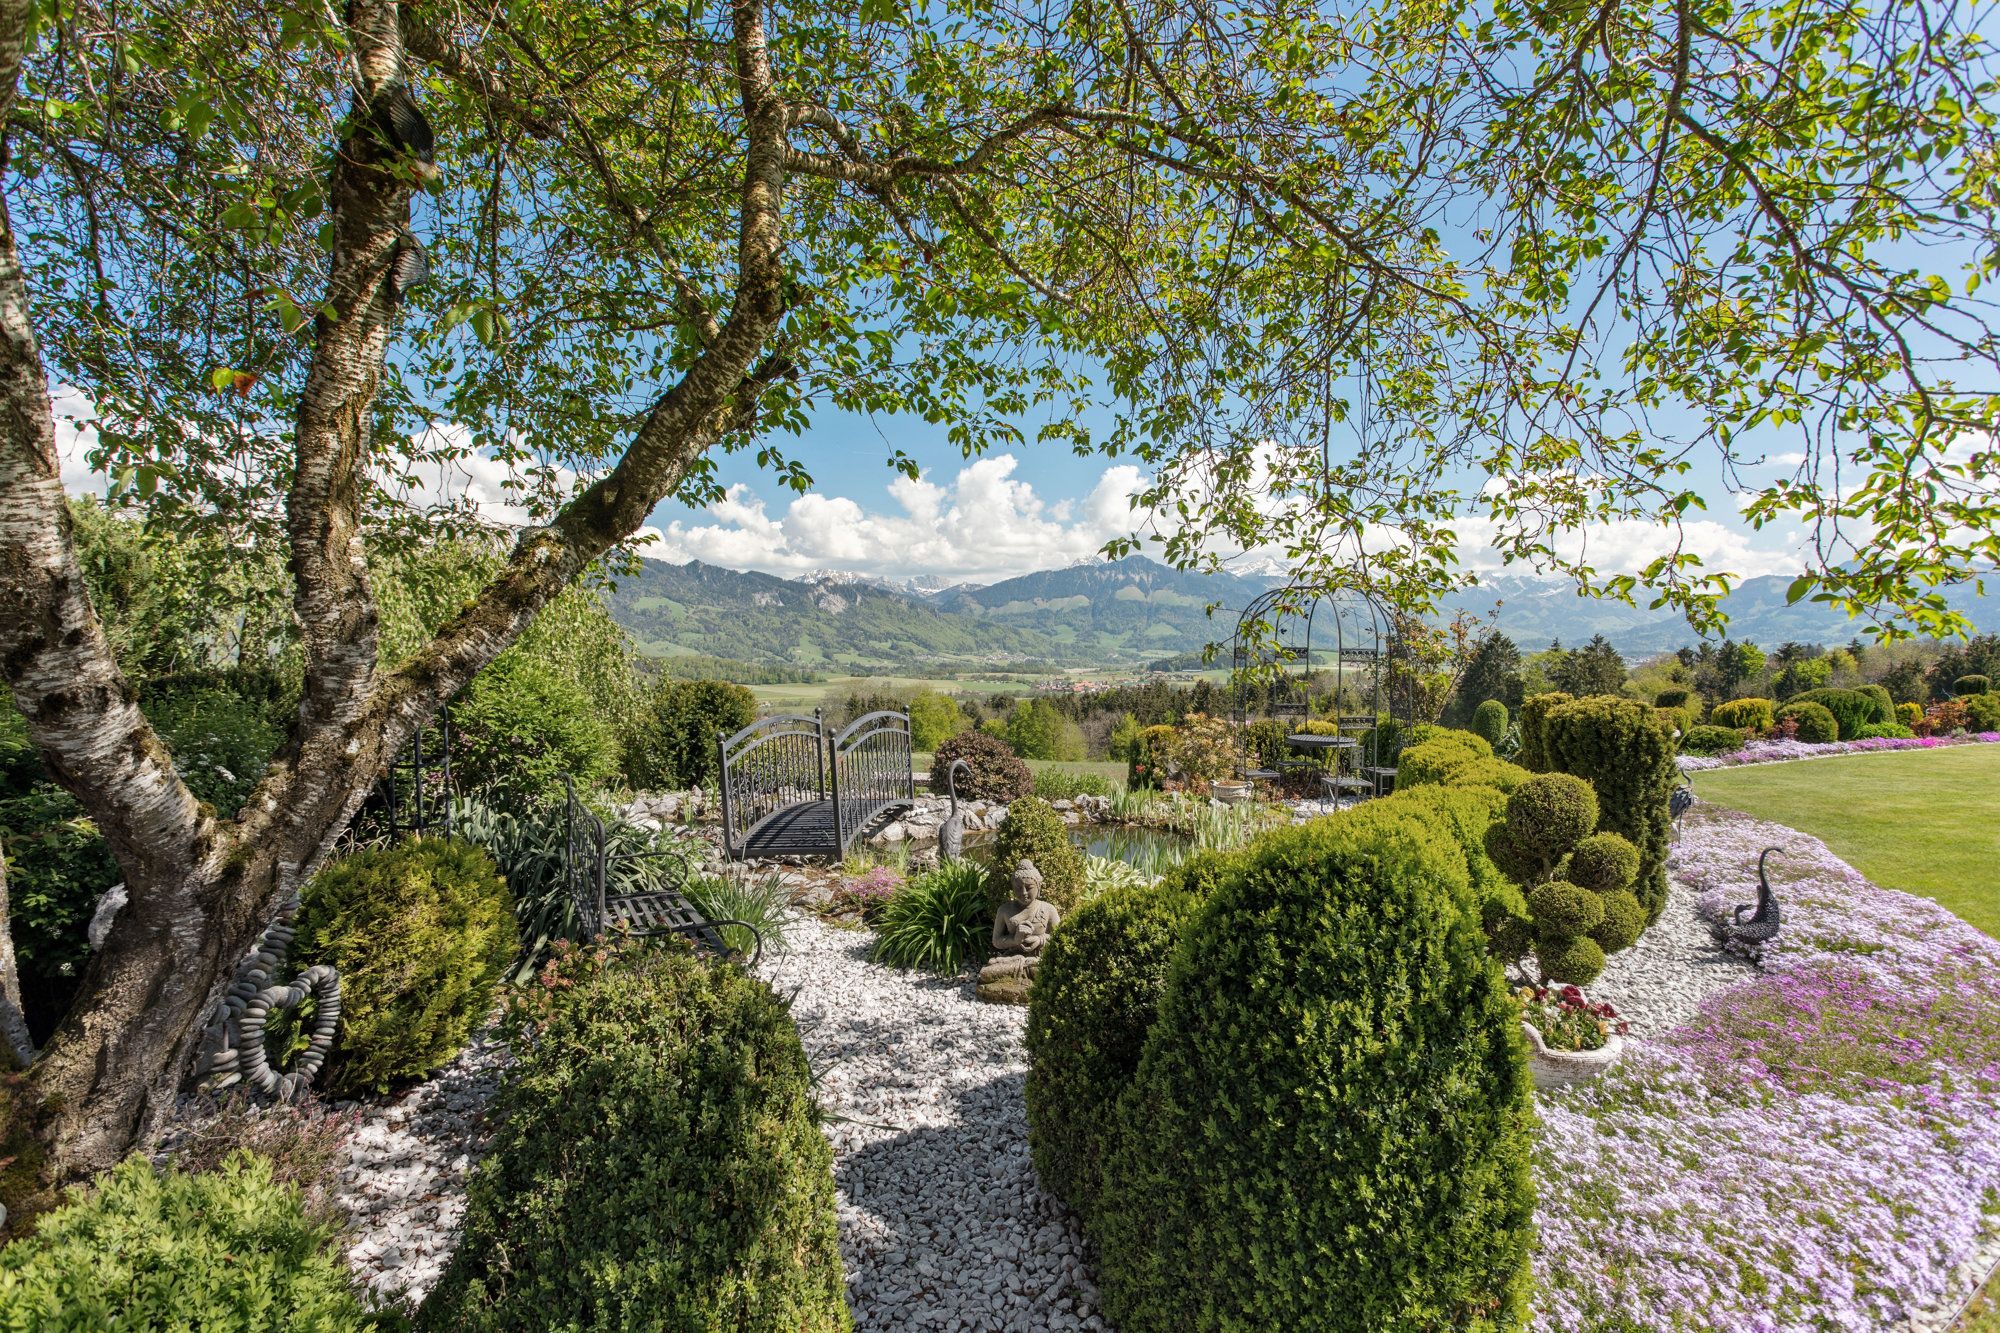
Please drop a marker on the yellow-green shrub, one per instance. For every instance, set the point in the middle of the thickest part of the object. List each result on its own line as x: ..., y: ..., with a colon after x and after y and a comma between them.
x: 1034, y: 831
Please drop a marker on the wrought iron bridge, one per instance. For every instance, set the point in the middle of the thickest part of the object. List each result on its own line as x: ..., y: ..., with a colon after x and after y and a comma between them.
x: 793, y: 787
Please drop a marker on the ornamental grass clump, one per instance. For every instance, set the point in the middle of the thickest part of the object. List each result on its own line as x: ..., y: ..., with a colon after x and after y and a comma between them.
x: 421, y: 932
x: 227, y: 1249
x: 938, y: 922
x: 658, y: 1160
x: 1329, y: 1127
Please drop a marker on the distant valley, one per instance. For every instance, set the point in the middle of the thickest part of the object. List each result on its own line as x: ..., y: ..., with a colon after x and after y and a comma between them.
x: 1122, y: 613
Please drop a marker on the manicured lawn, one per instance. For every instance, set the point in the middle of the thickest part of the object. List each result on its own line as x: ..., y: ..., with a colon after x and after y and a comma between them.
x: 1926, y: 821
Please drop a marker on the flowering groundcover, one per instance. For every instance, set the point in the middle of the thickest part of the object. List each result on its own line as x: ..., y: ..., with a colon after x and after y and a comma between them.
x: 1818, y: 1149
x: 1778, y: 751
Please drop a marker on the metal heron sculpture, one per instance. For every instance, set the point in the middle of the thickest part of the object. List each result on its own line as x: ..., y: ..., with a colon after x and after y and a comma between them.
x: 951, y: 833
x: 1681, y: 801
x: 1761, y: 925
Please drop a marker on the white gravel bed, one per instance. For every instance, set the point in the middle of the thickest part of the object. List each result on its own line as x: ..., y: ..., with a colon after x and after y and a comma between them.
x: 1659, y: 983
x: 402, y: 1178
x: 942, y: 1222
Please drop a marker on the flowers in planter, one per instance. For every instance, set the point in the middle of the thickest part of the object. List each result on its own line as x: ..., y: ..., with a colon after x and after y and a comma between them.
x: 1567, y: 1020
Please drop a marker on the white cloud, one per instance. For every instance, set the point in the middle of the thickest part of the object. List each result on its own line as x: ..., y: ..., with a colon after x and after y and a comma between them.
x: 76, y: 436
x: 459, y: 476
x: 986, y: 525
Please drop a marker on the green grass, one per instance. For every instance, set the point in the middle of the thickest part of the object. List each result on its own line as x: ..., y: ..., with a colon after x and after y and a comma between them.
x: 811, y: 695
x: 1917, y: 820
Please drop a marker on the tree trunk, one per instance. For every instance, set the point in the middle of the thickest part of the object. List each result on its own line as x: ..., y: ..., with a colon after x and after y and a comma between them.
x: 14, y: 1039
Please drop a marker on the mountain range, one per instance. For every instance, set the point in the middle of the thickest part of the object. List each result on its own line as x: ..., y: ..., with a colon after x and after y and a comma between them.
x: 1111, y: 613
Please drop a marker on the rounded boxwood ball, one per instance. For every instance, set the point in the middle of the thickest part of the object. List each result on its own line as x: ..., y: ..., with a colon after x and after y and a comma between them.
x: 1575, y: 960
x: 1549, y: 814
x: 1815, y: 722
x: 1033, y: 831
x: 1623, y: 921
x: 1604, y: 862
x: 1562, y: 908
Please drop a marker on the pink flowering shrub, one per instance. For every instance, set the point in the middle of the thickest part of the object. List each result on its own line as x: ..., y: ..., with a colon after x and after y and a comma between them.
x: 1818, y: 1149
x: 867, y: 894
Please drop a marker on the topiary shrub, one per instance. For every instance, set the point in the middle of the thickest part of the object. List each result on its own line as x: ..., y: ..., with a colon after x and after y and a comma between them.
x: 1095, y: 996
x: 1546, y: 817
x: 1547, y: 843
x: 1811, y: 723
x: 1910, y: 715
x: 1489, y: 721
x: 228, y: 1249
x: 658, y: 1161
x: 1576, y: 960
x: 1712, y: 740
x: 1033, y: 831
x: 1982, y: 712
x: 1603, y: 863
x: 1329, y: 1128
x: 671, y: 745
x: 1852, y: 709
x: 1744, y: 714
x: 998, y: 774
x: 421, y: 932
x: 1466, y: 814
x: 1621, y: 748
x: 1970, y: 685
x: 1455, y: 759
x: 1683, y: 703
x: 1534, y: 755
x: 1623, y: 922
x: 520, y: 728
x: 1885, y: 704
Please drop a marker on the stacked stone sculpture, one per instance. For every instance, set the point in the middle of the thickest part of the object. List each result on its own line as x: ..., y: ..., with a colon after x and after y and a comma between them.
x: 234, y: 1041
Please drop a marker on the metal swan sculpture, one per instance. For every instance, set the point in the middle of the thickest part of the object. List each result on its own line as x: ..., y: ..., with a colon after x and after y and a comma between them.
x: 951, y: 833
x: 1761, y: 927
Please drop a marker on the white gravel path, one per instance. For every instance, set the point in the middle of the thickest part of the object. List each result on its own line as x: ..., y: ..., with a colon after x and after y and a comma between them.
x: 942, y: 1223
x: 1659, y: 983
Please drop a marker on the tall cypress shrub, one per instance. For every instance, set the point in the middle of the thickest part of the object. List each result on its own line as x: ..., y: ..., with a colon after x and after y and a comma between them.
x: 1626, y: 753
x: 1534, y: 755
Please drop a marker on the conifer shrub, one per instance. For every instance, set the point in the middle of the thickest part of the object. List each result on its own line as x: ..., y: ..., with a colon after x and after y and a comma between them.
x: 1534, y: 755
x: 1489, y: 721
x: 1710, y: 740
x: 1454, y: 759
x: 1624, y: 920
x: 229, y: 1250
x: 1095, y: 996
x: 1893, y: 731
x: 1329, y: 1129
x: 671, y: 745
x: 998, y: 774
x: 1885, y: 704
x: 1603, y: 863
x: 1034, y: 831
x: 1910, y: 715
x: 1811, y: 722
x: 1627, y: 756
x: 1982, y: 712
x: 1683, y: 703
x: 1852, y: 709
x: 1548, y: 843
x: 421, y: 933
x: 1969, y: 685
x: 658, y: 1161
x: 1744, y: 714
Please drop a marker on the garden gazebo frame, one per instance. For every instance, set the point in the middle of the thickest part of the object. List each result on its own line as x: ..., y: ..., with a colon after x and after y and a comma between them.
x: 1278, y: 636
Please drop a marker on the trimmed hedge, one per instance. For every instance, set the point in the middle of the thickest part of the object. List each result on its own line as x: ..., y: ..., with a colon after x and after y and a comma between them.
x: 1893, y: 731
x: 1095, y: 996
x: 1034, y: 831
x: 1744, y: 714
x: 1489, y: 721
x: 998, y: 774
x: 1885, y: 704
x: 1852, y: 709
x: 1815, y: 725
x: 1970, y: 685
x: 1622, y: 750
x: 1711, y: 740
x: 658, y: 1161
x: 421, y: 932
x: 228, y: 1250
x: 1455, y: 759
x: 1330, y: 1124
x: 1534, y: 755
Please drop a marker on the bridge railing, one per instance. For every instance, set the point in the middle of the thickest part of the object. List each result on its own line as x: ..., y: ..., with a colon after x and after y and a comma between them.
x: 871, y: 772
x: 774, y: 763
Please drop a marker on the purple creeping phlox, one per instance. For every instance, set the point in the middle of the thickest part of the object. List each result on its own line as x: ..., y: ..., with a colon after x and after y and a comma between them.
x: 1818, y: 1149
x: 1778, y: 751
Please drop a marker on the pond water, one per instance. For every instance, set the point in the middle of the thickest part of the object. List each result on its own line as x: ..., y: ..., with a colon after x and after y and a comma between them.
x: 1150, y: 849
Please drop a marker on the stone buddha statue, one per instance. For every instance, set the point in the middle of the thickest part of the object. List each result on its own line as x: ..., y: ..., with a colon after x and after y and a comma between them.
x: 1020, y: 928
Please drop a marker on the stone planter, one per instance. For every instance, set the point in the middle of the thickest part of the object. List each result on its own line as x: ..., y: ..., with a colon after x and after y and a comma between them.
x: 1559, y: 1069
x: 1229, y: 793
